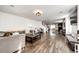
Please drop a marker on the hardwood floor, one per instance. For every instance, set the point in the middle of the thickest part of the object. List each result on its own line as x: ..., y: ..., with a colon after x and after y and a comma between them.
x: 53, y: 44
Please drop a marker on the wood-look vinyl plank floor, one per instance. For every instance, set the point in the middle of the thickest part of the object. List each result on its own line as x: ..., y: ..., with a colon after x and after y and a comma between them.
x: 54, y: 44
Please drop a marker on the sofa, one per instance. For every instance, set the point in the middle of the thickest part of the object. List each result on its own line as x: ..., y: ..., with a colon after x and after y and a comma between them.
x: 10, y: 44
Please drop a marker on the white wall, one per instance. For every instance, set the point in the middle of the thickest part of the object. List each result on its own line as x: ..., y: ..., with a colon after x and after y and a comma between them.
x: 78, y: 17
x: 68, y: 25
x: 13, y: 22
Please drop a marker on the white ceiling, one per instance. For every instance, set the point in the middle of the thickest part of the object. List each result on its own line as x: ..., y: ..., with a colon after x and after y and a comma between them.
x: 50, y: 12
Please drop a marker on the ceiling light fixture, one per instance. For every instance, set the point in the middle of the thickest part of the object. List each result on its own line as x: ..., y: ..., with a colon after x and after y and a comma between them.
x: 38, y: 12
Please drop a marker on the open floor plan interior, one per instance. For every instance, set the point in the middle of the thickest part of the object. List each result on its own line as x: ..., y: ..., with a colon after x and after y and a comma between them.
x: 39, y: 28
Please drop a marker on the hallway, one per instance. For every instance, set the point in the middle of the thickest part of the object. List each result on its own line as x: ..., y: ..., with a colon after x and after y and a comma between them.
x: 55, y: 44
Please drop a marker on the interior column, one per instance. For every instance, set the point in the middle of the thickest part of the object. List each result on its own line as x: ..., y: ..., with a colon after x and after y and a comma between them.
x: 68, y: 25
